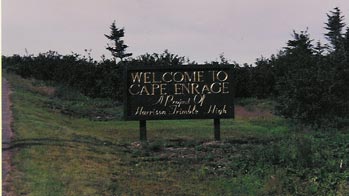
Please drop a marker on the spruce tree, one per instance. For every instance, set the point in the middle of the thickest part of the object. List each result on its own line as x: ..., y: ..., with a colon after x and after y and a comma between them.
x: 117, y: 47
x: 335, y: 26
x: 300, y: 45
x: 346, y: 45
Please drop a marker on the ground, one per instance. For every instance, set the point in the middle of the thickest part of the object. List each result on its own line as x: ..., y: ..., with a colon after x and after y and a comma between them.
x: 6, y: 133
x: 69, y: 144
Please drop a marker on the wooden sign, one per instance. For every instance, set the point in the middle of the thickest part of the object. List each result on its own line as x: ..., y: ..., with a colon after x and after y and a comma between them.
x: 179, y: 92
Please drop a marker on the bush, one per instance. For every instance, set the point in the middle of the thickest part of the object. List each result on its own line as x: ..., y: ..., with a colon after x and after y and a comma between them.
x: 310, y: 87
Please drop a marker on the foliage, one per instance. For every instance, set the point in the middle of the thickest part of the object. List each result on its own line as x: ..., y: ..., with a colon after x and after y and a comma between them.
x: 62, y: 154
x: 346, y: 44
x: 118, y: 47
x: 311, y: 83
x: 164, y: 59
x: 79, y: 72
x: 102, y: 79
x: 335, y: 26
x: 251, y: 81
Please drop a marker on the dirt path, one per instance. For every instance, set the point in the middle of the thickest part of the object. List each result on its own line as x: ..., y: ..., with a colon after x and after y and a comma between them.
x: 7, y: 133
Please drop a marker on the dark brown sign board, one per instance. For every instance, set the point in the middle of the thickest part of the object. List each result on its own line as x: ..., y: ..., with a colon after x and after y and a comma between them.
x: 178, y: 92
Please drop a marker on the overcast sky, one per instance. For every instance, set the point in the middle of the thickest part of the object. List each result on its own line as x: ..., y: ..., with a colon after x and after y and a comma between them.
x: 199, y: 29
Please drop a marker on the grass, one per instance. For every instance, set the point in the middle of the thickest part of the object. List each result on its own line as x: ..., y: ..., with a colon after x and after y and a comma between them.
x: 69, y: 144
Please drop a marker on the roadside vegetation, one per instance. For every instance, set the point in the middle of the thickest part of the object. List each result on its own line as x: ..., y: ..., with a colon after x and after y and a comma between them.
x: 290, y: 135
x: 309, y: 81
x: 75, y: 145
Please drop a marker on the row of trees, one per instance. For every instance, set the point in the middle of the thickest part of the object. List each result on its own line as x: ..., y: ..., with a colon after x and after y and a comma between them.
x: 104, y: 79
x: 101, y: 79
x: 309, y: 81
x: 312, y: 80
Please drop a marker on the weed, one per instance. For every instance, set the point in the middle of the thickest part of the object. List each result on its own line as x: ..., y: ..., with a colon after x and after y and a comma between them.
x: 63, y: 150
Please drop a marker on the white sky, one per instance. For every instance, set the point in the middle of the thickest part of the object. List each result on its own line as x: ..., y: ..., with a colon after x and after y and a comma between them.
x: 199, y: 29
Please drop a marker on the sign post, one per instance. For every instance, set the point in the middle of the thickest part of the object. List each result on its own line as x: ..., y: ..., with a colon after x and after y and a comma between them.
x: 143, y: 130
x: 178, y: 92
x: 217, y: 129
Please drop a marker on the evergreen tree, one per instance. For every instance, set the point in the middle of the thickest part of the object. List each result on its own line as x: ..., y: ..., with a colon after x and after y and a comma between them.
x: 319, y: 49
x: 166, y: 58
x: 296, y: 83
x: 296, y: 55
x: 335, y: 26
x: 313, y: 87
x: 118, y: 48
x: 346, y: 45
x: 300, y: 45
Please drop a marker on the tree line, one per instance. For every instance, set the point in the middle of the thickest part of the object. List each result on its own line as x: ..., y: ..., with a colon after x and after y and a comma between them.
x: 309, y: 81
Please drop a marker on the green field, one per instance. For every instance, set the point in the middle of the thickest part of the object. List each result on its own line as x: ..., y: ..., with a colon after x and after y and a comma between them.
x: 68, y: 144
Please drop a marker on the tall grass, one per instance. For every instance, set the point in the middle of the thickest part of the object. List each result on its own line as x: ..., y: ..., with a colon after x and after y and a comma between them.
x: 63, y: 149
